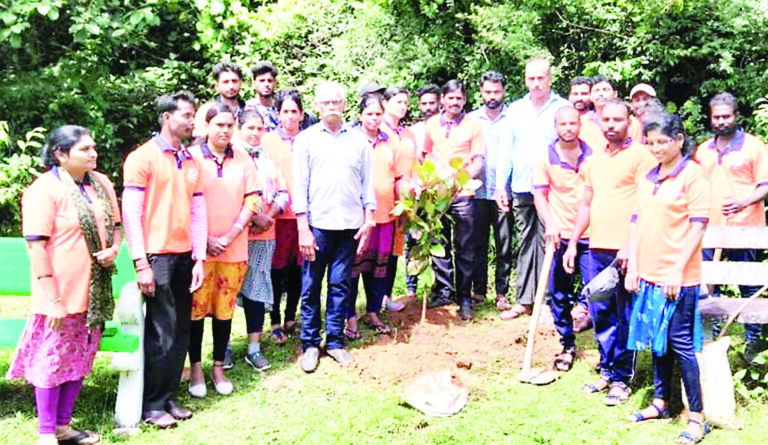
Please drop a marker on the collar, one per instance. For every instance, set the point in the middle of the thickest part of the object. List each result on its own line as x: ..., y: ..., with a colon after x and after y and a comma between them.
x: 736, y: 143
x: 323, y: 127
x: 627, y: 143
x: 554, y: 156
x: 457, y: 121
x: 653, y: 175
x: 283, y: 134
x: 207, y: 153
x: 551, y: 98
x: 397, y: 130
x: 483, y: 114
x: 240, y: 104
x: 181, y: 154
x: 381, y: 137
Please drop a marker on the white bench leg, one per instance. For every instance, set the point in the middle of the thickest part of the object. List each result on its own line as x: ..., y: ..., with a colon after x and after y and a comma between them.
x: 130, y: 391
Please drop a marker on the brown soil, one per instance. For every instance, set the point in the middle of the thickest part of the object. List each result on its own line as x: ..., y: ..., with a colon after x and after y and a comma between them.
x: 465, y: 348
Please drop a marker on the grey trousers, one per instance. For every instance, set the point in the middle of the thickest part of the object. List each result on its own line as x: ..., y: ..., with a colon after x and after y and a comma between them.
x: 530, y: 236
x: 487, y: 215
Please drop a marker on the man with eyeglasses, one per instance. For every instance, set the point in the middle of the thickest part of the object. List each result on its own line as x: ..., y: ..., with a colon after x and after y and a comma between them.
x: 334, y: 200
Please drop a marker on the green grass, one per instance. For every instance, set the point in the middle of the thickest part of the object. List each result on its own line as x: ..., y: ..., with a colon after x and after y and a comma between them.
x: 284, y: 405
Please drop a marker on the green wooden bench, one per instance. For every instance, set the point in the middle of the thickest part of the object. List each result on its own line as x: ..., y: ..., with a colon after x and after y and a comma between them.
x: 124, y: 338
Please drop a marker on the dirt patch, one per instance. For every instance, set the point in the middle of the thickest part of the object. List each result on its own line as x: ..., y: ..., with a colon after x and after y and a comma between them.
x: 467, y: 349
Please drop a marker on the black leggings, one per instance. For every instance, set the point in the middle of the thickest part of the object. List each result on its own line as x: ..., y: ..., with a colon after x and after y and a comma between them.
x: 254, y: 315
x: 288, y: 280
x: 221, y: 330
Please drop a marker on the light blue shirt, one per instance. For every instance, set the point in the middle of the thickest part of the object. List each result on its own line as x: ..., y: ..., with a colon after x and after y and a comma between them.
x: 494, y: 132
x: 332, y: 180
x: 531, y: 132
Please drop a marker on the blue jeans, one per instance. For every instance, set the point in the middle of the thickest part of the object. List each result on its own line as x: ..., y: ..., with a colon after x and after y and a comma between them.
x: 611, y: 320
x: 680, y: 345
x: 752, y: 332
x: 336, y: 251
x: 561, y: 296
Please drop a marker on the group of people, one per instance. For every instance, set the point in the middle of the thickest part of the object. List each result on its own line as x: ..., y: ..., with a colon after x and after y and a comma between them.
x: 237, y: 202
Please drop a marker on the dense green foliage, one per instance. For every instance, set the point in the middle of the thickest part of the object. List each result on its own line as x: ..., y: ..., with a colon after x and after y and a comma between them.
x: 99, y: 63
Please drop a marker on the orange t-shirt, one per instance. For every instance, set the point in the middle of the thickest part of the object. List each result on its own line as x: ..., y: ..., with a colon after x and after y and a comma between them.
x: 225, y: 186
x: 407, y: 151
x: 591, y: 133
x: 48, y: 211
x: 446, y: 139
x: 565, y: 185
x: 280, y: 147
x: 735, y: 173
x: 635, y: 130
x: 613, y: 179
x: 665, y: 210
x: 201, y: 126
x: 383, y: 169
x: 168, y: 181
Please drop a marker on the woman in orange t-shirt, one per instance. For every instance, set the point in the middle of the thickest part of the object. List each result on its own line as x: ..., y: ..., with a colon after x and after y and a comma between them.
x: 373, y: 263
x: 664, y: 268
x: 70, y: 221
x: 256, y: 294
x: 230, y: 187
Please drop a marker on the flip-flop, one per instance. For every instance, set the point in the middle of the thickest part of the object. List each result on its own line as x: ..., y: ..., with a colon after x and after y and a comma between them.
x: 278, y: 336
x: 591, y: 388
x: 564, y: 360
x: 81, y: 438
x: 352, y: 334
x: 617, y: 395
x: 380, y: 328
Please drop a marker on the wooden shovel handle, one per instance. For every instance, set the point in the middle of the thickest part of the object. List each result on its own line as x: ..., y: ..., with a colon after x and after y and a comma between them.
x: 541, y: 289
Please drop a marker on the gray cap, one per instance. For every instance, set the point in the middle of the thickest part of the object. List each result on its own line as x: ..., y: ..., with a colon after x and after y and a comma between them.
x: 371, y: 87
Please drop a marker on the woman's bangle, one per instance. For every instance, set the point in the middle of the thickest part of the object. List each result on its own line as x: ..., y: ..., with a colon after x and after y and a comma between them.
x: 48, y: 275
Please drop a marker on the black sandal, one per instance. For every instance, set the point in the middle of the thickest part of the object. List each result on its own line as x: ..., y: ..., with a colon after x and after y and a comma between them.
x: 81, y: 438
x: 564, y: 360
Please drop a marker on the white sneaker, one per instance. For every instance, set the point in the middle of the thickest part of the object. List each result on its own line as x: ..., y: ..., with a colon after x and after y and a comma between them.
x: 198, y: 391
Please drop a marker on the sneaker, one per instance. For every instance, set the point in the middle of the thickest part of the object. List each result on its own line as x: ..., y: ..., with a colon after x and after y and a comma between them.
x: 228, y: 363
x: 341, y: 355
x: 309, y: 359
x: 258, y: 361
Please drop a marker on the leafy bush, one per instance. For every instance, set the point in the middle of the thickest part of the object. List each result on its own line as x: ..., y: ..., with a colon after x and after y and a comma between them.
x: 17, y: 171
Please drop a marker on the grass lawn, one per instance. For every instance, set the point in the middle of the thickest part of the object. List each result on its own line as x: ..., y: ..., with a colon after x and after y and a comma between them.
x: 336, y: 405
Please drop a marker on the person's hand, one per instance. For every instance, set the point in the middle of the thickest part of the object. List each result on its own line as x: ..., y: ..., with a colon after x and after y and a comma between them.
x: 552, y: 235
x: 216, y: 245
x: 198, y: 274
x: 672, y: 285
x: 145, y: 277
x: 623, y: 259
x: 362, y: 235
x: 502, y: 201
x: 732, y: 206
x: 106, y: 257
x: 261, y: 223
x: 632, y: 280
x: 307, y: 245
x: 55, y: 317
x: 569, y: 258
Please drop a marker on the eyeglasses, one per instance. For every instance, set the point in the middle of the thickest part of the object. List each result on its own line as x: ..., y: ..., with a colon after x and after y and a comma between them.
x: 326, y: 103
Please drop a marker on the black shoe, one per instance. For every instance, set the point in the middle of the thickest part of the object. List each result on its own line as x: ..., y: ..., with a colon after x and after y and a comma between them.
x: 439, y: 301
x: 228, y: 362
x: 465, y: 311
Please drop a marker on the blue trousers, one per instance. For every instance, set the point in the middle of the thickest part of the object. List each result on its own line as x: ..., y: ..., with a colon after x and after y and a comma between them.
x: 752, y: 332
x: 611, y: 320
x: 336, y: 251
x: 561, y: 298
x: 680, y: 346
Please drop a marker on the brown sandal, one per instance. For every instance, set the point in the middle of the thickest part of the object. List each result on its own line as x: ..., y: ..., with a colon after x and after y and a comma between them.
x: 516, y: 311
x: 502, y: 304
x: 564, y: 360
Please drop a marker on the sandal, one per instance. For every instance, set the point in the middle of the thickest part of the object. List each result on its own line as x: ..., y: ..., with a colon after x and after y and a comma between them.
x: 80, y: 438
x: 352, y: 334
x: 564, y: 360
x: 278, y: 336
x: 291, y: 327
x: 502, y: 304
x: 516, y: 311
x: 661, y: 413
x: 380, y: 328
x: 686, y: 437
x: 618, y: 394
x: 593, y: 388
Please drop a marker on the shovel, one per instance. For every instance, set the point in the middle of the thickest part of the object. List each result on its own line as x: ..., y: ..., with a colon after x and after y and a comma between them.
x: 538, y: 376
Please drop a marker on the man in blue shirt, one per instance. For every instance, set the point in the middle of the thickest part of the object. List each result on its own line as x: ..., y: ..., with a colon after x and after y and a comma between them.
x: 334, y: 200
x: 531, y: 130
x: 492, y: 118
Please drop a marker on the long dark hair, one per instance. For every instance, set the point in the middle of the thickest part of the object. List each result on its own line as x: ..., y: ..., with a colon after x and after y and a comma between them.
x: 61, y: 139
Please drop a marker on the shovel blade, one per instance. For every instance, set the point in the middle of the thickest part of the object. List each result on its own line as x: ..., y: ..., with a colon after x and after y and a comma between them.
x: 537, y: 376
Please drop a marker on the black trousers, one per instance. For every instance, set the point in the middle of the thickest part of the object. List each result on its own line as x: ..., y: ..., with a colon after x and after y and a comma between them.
x: 459, y: 250
x: 487, y: 215
x: 288, y: 280
x: 166, y: 329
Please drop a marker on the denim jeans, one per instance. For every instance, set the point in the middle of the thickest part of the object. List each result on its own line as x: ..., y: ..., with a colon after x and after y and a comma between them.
x: 561, y: 291
x: 611, y: 319
x: 335, y: 253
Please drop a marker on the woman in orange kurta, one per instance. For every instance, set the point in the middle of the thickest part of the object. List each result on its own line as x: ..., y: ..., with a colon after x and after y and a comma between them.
x: 70, y: 220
